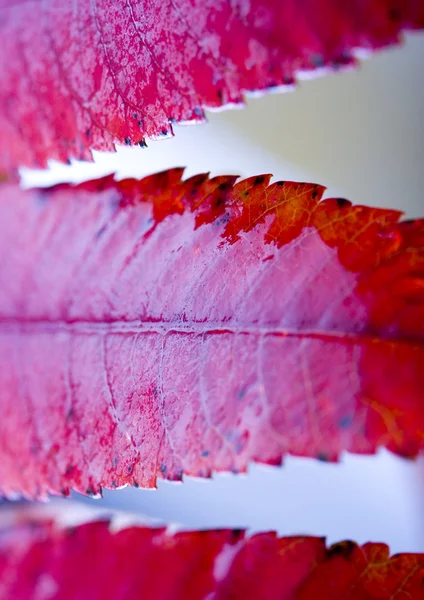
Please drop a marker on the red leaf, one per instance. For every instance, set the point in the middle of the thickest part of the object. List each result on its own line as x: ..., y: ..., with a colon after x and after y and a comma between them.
x: 40, y: 559
x: 79, y: 76
x: 158, y: 327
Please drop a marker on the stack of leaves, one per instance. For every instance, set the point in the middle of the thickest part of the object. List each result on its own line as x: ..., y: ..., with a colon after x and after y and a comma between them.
x: 164, y: 327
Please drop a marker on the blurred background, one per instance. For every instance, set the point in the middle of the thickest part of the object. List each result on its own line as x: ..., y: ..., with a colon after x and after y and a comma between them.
x: 360, y: 133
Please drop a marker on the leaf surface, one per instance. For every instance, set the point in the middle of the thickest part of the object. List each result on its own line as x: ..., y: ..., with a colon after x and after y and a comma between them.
x: 159, y: 327
x: 81, y: 75
x: 43, y: 560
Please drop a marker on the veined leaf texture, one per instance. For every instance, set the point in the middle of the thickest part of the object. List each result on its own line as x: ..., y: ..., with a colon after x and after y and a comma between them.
x: 76, y: 76
x: 42, y: 559
x: 159, y: 327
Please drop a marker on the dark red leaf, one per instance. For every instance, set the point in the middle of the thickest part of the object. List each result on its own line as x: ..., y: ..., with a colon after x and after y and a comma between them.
x: 39, y: 559
x: 77, y: 76
x: 158, y: 327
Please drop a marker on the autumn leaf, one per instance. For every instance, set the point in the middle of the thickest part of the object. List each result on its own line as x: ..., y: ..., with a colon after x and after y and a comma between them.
x: 78, y: 76
x: 159, y: 327
x: 41, y: 559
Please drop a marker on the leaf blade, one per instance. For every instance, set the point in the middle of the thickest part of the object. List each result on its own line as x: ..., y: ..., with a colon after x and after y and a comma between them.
x: 217, y: 564
x: 169, y: 327
x: 147, y: 65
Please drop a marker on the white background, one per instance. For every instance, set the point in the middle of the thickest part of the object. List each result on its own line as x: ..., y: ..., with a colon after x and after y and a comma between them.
x: 361, y: 133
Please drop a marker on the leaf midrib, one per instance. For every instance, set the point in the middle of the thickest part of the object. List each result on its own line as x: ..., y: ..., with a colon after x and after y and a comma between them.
x: 84, y: 327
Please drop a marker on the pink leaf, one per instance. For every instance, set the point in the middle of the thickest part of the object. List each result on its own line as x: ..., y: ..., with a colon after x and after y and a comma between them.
x: 39, y: 559
x: 159, y: 327
x: 78, y: 76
